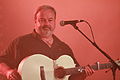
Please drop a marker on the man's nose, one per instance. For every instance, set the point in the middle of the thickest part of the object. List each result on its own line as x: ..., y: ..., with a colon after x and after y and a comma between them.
x: 47, y: 22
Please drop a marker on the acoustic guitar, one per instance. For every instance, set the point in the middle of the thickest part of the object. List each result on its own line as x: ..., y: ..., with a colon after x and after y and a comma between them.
x: 40, y: 67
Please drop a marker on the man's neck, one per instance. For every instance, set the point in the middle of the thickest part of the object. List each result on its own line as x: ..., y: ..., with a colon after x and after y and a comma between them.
x: 48, y: 41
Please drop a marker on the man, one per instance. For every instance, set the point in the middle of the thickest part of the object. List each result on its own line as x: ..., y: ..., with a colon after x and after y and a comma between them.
x: 40, y: 41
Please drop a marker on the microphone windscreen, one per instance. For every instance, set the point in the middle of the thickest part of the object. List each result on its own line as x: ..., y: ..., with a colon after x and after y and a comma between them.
x: 62, y: 23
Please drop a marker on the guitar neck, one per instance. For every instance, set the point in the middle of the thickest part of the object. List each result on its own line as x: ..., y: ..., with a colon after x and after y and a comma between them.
x: 102, y: 66
x: 75, y: 70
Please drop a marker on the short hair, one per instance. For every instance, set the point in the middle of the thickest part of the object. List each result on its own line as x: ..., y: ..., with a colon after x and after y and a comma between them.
x: 45, y: 7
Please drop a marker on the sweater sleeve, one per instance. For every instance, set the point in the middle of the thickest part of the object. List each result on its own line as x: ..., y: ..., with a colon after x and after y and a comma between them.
x: 8, y: 56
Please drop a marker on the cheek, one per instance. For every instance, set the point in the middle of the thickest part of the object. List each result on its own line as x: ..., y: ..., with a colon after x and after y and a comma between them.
x: 37, y: 23
x: 37, y: 26
x: 53, y: 25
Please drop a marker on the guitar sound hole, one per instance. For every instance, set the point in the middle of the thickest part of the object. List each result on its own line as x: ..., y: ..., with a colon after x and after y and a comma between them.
x: 59, y: 72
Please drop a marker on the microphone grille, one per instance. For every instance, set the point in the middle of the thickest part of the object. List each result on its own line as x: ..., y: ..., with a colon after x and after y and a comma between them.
x: 62, y: 23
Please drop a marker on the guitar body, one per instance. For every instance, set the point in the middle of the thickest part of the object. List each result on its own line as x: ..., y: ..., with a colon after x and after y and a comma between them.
x: 40, y: 67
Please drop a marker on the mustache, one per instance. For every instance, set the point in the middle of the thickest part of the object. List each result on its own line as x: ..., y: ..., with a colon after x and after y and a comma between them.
x: 46, y: 26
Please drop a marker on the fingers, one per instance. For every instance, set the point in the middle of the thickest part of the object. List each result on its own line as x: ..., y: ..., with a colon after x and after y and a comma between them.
x: 13, y: 75
x: 88, y: 70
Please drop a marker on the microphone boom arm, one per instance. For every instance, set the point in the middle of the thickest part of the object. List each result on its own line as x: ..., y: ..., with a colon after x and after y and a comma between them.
x: 115, y: 65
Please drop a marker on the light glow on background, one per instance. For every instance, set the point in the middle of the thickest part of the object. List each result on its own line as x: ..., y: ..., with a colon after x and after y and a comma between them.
x: 103, y: 15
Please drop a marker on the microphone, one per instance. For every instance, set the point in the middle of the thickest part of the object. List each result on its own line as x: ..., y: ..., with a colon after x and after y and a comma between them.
x: 62, y: 23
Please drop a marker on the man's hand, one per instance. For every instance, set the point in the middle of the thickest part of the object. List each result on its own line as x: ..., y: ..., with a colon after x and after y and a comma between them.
x: 13, y: 75
x: 89, y: 71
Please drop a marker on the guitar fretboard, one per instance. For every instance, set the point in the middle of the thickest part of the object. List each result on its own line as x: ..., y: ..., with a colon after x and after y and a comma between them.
x: 102, y: 66
x: 76, y: 70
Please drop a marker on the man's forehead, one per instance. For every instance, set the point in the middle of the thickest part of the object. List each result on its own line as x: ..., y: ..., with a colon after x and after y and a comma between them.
x: 46, y: 12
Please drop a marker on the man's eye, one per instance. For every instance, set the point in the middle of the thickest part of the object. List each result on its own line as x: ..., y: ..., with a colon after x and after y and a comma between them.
x: 51, y: 20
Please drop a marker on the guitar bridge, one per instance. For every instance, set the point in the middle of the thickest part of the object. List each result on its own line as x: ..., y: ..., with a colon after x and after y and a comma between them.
x: 42, y: 73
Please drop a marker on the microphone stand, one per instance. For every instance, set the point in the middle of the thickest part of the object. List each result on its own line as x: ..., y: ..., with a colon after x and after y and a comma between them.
x: 115, y: 65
